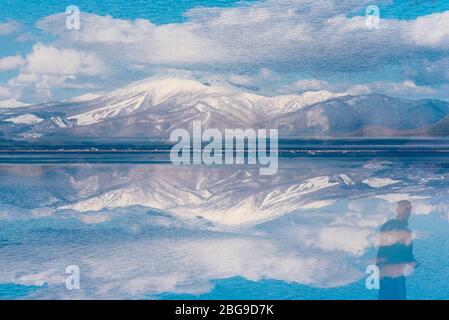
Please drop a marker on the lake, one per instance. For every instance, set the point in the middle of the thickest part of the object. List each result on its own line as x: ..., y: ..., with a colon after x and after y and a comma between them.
x: 136, y: 226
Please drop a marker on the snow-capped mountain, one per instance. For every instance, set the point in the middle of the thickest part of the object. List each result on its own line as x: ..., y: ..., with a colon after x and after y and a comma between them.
x: 230, y: 196
x: 154, y: 107
x: 366, y: 115
x: 167, y: 103
x: 230, y: 207
x: 224, y: 196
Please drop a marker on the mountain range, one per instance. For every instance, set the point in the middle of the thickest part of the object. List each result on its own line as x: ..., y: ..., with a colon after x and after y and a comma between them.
x: 153, y: 107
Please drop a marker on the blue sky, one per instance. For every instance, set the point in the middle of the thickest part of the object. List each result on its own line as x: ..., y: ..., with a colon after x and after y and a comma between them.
x: 270, y: 46
x: 158, y: 11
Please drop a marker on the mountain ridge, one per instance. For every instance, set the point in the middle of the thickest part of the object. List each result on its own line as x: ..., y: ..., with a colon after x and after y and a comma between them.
x: 154, y: 107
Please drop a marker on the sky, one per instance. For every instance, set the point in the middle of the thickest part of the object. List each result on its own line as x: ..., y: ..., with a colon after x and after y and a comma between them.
x: 270, y: 47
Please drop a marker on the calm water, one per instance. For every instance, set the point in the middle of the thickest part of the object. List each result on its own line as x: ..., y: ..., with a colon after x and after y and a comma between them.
x: 159, y: 231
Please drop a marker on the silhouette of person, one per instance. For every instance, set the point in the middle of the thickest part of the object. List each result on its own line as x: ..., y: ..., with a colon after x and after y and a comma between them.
x: 395, y: 258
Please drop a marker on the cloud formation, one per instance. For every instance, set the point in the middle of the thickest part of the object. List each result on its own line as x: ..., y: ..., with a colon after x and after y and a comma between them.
x: 11, y: 62
x: 325, y: 41
x: 48, y: 68
x: 10, y: 27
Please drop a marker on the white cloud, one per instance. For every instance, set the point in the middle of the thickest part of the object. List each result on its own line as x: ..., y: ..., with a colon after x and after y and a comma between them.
x: 136, y: 42
x: 309, y: 85
x: 282, y: 36
x: 49, y: 60
x: 47, y: 68
x: 11, y: 62
x: 127, y: 268
x: 430, y: 31
x: 263, y: 32
x: 403, y: 89
x: 406, y: 88
x: 5, y: 93
x: 423, y: 207
x: 10, y: 27
x: 352, y: 240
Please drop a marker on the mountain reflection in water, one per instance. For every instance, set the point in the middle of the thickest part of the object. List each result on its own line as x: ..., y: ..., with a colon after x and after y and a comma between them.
x: 158, y: 230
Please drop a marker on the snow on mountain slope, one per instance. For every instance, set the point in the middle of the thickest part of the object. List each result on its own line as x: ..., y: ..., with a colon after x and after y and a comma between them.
x: 223, y: 196
x: 307, y: 99
x: 296, y: 190
x: 379, y: 182
x: 28, y: 119
x: 12, y: 103
x: 176, y: 93
x: 60, y: 122
x: 86, y: 97
x: 141, y: 95
x: 233, y: 199
x: 367, y: 115
x: 154, y: 107
x: 111, y: 110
